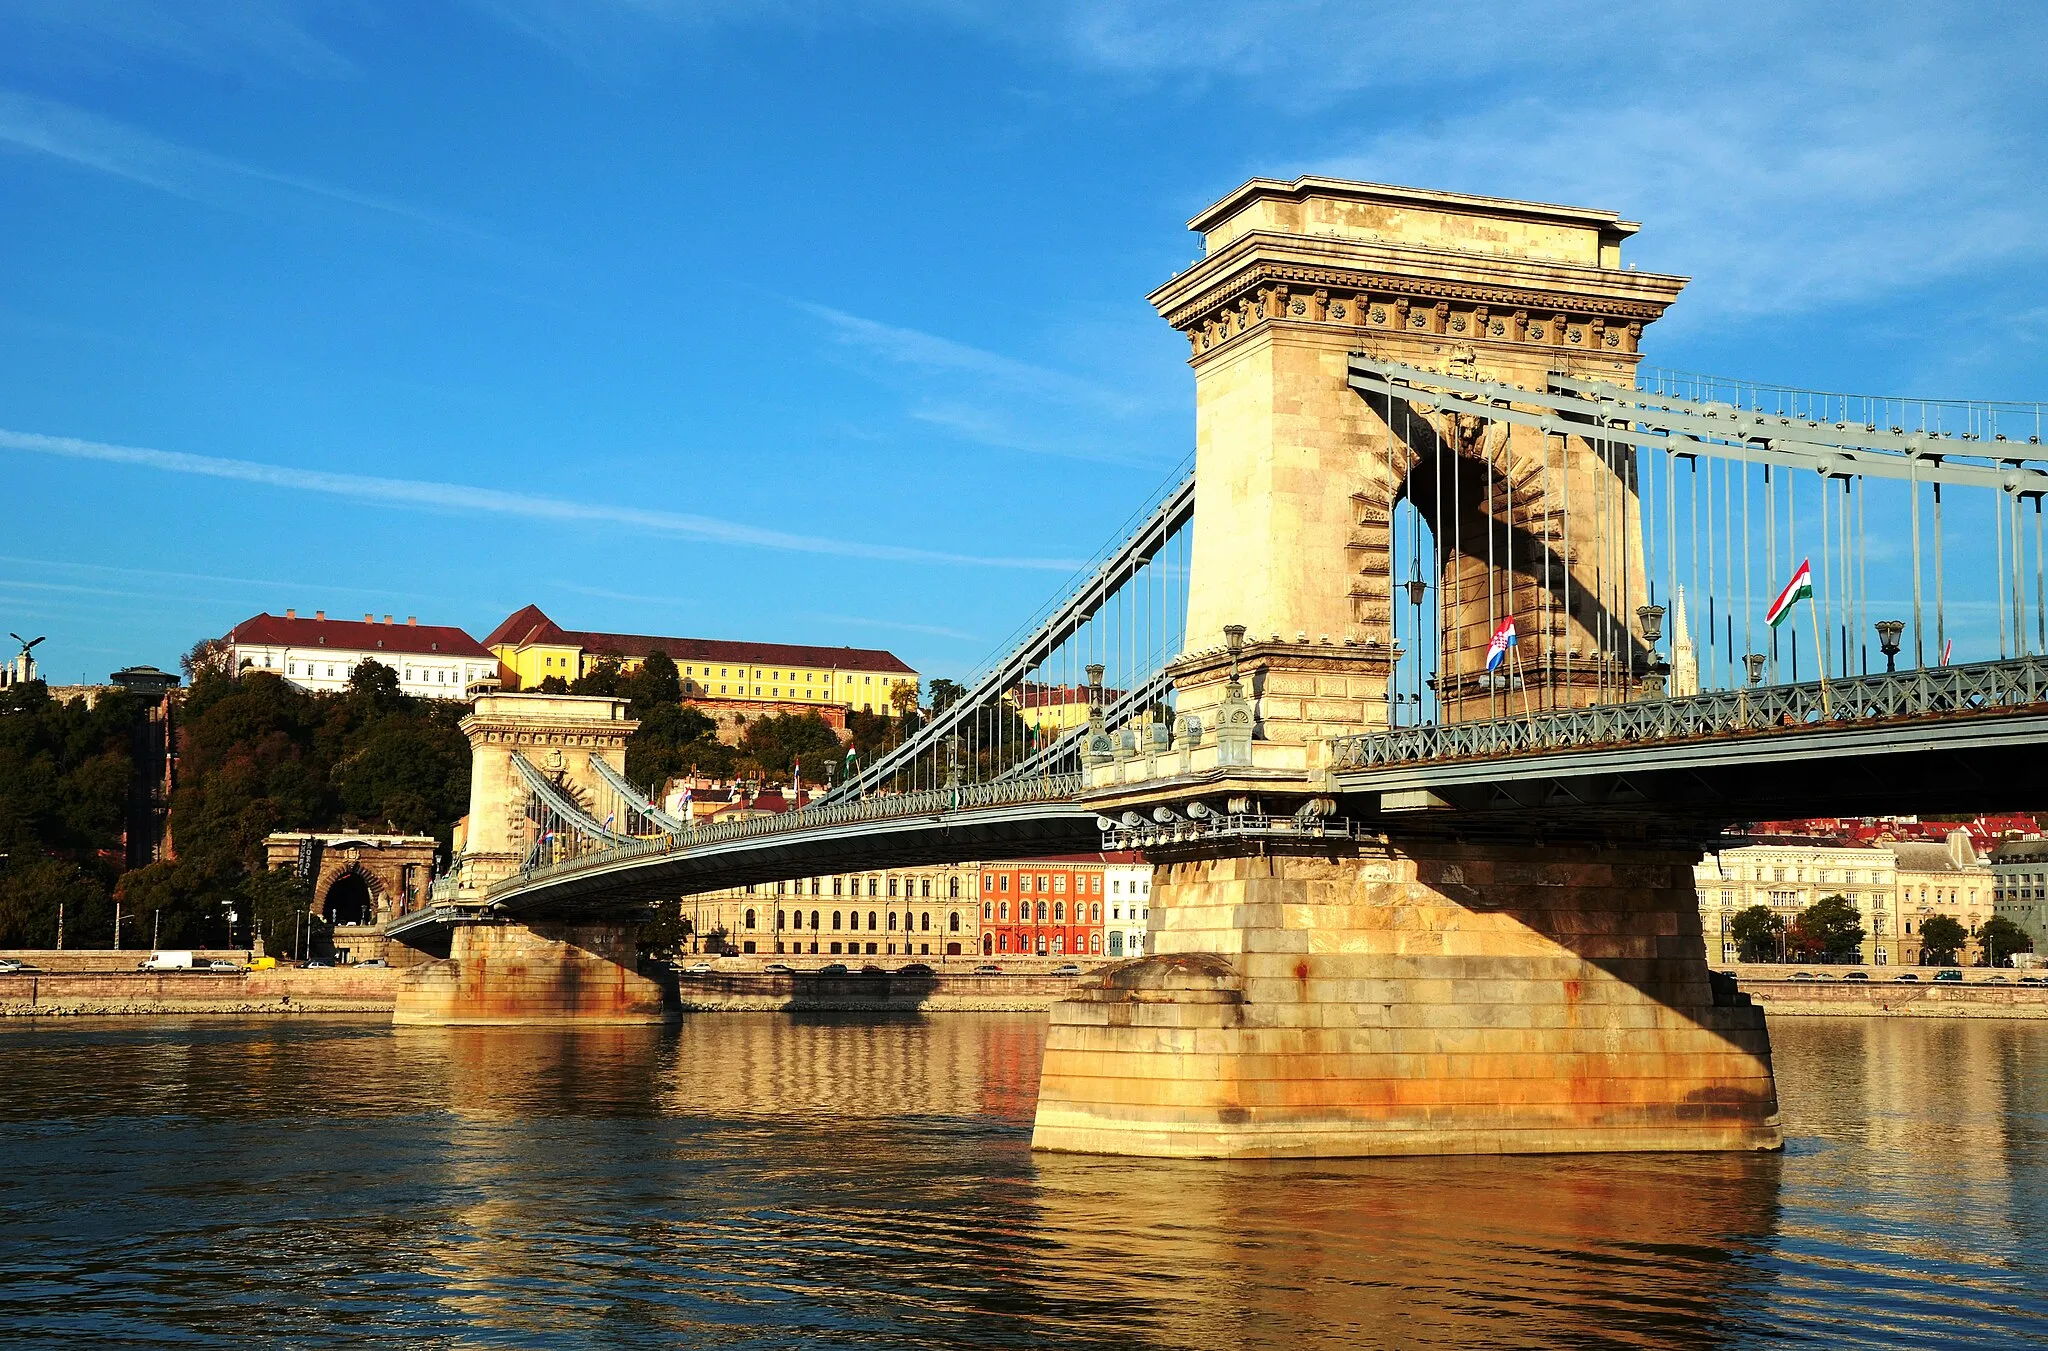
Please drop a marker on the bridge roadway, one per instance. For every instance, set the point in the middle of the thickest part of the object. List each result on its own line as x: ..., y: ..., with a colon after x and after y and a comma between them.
x: 1950, y: 739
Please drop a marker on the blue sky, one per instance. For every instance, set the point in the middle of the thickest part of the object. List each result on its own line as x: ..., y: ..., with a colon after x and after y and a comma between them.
x: 826, y: 322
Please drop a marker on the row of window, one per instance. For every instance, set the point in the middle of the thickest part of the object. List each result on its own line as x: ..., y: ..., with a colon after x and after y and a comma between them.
x: 854, y: 949
x: 852, y: 887
x: 1040, y: 945
x: 1083, y: 911
x: 422, y: 675
x: 794, y: 919
x: 1055, y: 883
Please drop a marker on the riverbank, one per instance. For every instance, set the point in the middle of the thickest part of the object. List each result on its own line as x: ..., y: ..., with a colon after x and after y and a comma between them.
x: 807, y: 991
x: 1881, y: 994
x: 346, y: 989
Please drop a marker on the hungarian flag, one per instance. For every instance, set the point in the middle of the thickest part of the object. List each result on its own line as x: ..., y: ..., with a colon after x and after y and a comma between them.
x: 1947, y: 650
x: 1798, y: 589
x: 1503, y: 639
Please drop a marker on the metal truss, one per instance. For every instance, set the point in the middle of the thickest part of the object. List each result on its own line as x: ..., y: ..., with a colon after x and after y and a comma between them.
x: 1064, y: 755
x: 1932, y: 692
x: 549, y: 797
x: 1167, y: 830
x: 1599, y: 411
x: 633, y: 799
x: 1064, y: 619
x: 820, y: 814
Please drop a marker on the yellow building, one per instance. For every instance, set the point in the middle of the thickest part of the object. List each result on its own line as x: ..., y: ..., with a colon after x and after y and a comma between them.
x: 1057, y: 707
x: 931, y: 911
x: 530, y: 647
x: 1944, y: 879
x: 1790, y: 874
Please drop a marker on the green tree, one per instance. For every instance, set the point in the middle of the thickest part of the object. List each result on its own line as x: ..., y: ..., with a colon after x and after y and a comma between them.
x: 270, y: 903
x: 1941, y: 938
x: 604, y: 677
x: 552, y: 685
x: 1999, y: 939
x: 34, y: 891
x: 174, y: 905
x: 652, y: 683
x: 1829, y: 930
x: 1756, y: 931
x: 672, y: 741
x: 946, y: 693
x: 903, y: 698
x: 777, y: 742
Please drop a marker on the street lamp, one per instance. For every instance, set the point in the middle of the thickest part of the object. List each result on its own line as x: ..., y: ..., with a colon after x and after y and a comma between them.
x: 1888, y: 631
x: 1755, y: 662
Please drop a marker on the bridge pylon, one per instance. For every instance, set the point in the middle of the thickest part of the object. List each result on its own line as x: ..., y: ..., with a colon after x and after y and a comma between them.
x: 1321, y: 986
x: 534, y: 783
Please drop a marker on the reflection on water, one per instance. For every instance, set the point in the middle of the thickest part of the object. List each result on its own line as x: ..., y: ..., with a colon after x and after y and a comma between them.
x: 751, y: 1180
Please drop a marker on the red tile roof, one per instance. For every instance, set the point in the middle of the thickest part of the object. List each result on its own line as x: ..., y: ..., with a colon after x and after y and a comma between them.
x: 529, y: 626
x: 356, y: 635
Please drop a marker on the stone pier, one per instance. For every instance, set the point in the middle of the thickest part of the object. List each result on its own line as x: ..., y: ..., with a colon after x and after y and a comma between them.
x: 1433, y: 999
x: 511, y: 973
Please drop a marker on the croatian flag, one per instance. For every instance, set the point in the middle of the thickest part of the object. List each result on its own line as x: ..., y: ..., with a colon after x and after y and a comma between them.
x: 1503, y: 639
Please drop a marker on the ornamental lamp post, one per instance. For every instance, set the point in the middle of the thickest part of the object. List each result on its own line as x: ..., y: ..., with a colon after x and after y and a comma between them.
x: 1888, y: 631
x: 1755, y: 662
x: 1651, y: 617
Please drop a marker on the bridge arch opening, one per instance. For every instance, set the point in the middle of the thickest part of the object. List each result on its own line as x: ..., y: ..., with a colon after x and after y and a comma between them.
x: 350, y: 900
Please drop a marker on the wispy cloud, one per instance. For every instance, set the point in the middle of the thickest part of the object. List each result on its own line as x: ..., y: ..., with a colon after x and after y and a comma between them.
x: 929, y: 352
x: 602, y: 593
x: 90, y: 141
x: 245, y: 36
x: 430, y: 495
x: 204, y: 578
x: 896, y: 625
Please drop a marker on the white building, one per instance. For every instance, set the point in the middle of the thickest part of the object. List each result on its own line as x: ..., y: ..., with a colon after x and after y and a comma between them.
x: 2019, y: 871
x: 318, y: 654
x: 1127, y: 894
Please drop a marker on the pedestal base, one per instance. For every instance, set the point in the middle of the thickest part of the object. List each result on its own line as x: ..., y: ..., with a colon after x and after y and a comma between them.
x: 1447, y: 999
x: 508, y: 973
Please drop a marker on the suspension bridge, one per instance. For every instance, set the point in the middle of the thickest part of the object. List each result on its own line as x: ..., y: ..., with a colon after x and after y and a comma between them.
x: 1422, y: 688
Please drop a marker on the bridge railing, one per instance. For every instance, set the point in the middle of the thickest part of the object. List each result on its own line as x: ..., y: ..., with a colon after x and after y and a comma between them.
x: 879, y: 807
x: 1947, y: 691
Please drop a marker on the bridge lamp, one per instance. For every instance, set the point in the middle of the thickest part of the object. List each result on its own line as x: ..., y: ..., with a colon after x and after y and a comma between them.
x: 1416, y: 588
x: 1888, y: 631
x: 1755, y: 662
x: 1652, y: 618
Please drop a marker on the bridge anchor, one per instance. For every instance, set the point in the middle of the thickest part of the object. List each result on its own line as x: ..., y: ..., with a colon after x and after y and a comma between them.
x: 1412, y: 996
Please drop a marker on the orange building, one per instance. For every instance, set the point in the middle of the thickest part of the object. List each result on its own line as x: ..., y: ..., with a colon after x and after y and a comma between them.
x: 1043, y: 908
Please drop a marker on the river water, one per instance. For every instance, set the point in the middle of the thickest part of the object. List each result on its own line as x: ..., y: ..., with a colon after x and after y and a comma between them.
x: 762, y: 1181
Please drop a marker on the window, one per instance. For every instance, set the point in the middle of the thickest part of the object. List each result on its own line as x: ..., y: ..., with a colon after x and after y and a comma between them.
x: 873, y: 883
x: 892, y: 921
x: 835, y: 924
x: 1116, y: 945
x: 1059, y: 912
x: 953, y: 922
x: 924, y: 921
x: 1115, y: 887
x: 953, y: 888
x: 871, y: 920
x: 924, y: 889
x: 1095, y: 912
x: 781, y: 916
x: 988, y: 910
x: 750, y: 919
x: 1096, y: 885
x: 1041, y: 912
x: 892, y: 886
x: 1059, y: 883
x: 1059, y: 942
x: 814, y: 923
x: 988, y: 882
x: 1095, y: 943
x: 1005, y: 883
x: 1003, y: 910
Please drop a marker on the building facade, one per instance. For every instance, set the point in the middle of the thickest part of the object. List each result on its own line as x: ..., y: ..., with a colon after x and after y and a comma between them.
x: 780, y: 677
x: 2019, y: 882
x: 1788, y: 875
x: 1895, y: 885
x: 898, y: 912
x: 1129, y: 887
x: 320, y: 654
x: 1044, y: 908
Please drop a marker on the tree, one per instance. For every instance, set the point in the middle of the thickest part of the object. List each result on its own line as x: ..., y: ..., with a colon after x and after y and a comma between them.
x: 1941, y: 938
x: 653, y: 683
x: 777, y: 742
x: 1756, y: 932
x: 946, y: 693
x: 270, y: 902
x: 2000, y: 938
x: 1829, y: 930
x: 175, y: 905
x: 903, y: 698
x: 552, y: 685
x: 603, y: 677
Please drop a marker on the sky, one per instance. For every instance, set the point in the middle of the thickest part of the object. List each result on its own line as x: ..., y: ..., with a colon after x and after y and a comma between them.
x: 823, y: 322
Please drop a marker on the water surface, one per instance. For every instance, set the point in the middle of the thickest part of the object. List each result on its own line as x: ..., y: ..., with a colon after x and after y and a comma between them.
x: 762, y: 1181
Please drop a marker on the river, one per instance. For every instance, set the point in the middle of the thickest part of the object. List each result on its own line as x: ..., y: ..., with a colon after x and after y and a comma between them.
x: 762, y: 1181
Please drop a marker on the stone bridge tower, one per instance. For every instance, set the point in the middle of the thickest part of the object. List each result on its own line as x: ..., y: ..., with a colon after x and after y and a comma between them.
x: 1300, y: 474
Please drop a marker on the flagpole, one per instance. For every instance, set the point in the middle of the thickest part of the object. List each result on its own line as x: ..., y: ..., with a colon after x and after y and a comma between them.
x: 1826, y: 712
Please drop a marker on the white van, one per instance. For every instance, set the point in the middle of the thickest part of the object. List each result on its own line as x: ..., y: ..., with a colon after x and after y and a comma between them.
x: 167, y: 961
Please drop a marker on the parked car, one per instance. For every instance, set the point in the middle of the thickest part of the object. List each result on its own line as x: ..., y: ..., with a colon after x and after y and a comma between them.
x: 1066, y: 969
x: 779, y: 969
x: 1998, y: 980
x: 374, y: 961
x: 988, y: 969
x: 1803, y: 975
x: 219, y: 965
x: 2032, y: 980
x: 1905, y: 975
x: 1951, y: 975
x: 872, y: 970
x: 832, y: 969
x: 10, y: 966
x: 698, y: 969
x: 1855, y: 975
x: 914, y: 969
x: 166, y: 961
x: 317, y: 966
